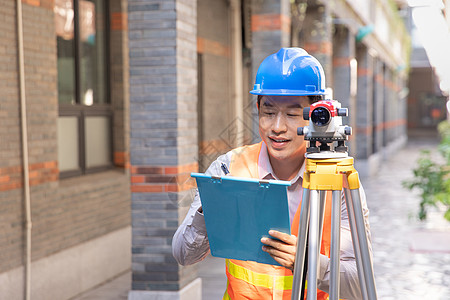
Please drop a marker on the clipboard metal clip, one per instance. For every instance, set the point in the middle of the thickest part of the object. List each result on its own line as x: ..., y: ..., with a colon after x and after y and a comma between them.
x: 216, y: 179
x: 264, y: 184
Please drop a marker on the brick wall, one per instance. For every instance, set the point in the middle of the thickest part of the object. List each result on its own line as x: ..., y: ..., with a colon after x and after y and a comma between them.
x: 9, y: 104
x: 364, y: 106
x: 41, y: 85
x: 388, y: 99
x: 11, y: 234
x: 119, y: 80
x: 67, y: 212
x: 378, y: 105
x: 163, y: 134
x: 11, y: 212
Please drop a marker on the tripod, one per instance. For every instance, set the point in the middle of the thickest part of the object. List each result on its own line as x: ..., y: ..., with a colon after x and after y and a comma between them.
x: 330, y: 171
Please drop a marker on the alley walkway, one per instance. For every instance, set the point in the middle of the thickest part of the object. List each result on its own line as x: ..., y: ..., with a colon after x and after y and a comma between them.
x: 411, y: 258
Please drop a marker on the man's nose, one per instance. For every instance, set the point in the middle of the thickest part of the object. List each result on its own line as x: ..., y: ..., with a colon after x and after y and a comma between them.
x: 280, y: 123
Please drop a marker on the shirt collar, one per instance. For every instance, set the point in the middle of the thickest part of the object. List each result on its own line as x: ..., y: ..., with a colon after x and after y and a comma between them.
x: 265, y: 170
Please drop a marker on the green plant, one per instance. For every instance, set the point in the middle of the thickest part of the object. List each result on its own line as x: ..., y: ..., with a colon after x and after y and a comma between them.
x: 444, y: 146
x: 432, y: 178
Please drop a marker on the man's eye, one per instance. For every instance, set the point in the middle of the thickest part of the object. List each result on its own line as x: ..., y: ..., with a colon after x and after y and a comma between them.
x: 269, y: 113
x: 293, y: 115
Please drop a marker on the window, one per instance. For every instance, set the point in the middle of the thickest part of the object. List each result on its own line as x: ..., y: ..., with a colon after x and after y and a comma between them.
x: 85, y: 116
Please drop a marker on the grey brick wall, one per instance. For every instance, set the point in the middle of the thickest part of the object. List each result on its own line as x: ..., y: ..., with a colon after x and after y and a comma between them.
x: 163, y: 134
x: 187, y: 81
x: 364, y: 106
x: 153, y: 82
x: 378, y: 104
x: 387, y: 111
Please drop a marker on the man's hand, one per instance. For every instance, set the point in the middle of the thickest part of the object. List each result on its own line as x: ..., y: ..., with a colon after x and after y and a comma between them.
x: 283, y: 249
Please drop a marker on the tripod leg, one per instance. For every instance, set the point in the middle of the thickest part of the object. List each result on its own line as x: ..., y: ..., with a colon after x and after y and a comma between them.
x: 304, y: 274
x: 335, y: 245
x: 298, y: 280
x: 356, y: 247
x: 313, y: 246
x: 322, y: 196
x: 363, y: 244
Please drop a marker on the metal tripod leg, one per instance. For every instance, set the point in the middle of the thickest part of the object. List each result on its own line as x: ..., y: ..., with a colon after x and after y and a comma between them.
x: 335, y: 245
x: 365, y: 262
x: 313, y: 246
x: 322, y: 203
x: 312, y: 213
x: 301, y: 247
x: 356, y: 247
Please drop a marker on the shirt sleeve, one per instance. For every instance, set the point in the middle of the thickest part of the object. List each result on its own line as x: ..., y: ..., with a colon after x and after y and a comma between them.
x: 349, y: 283
x: 190, y: 242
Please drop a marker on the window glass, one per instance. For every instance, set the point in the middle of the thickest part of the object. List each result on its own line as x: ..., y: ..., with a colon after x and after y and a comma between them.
x: 65, y: 43
x: 92, y: 39
x: 68, y: 144
x: 98, y: 141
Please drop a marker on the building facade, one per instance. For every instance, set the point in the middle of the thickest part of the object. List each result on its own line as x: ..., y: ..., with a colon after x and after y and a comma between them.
x: 107, y: 106
x: 64, y: 175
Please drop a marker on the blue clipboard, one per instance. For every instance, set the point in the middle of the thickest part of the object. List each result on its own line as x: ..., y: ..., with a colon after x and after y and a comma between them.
x: 239, y: 212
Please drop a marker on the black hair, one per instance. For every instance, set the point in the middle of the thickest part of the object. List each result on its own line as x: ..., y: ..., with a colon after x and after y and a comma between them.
x: 316, y: 98
x: 312, y: 98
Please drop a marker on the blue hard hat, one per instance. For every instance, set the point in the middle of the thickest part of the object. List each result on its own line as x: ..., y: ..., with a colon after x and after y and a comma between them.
x: 290, y: 72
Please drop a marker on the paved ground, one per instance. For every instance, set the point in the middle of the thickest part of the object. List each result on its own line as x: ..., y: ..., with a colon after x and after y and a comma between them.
x: 411, y: 258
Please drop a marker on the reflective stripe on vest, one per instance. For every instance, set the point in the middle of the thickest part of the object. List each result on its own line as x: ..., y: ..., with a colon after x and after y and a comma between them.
x: 258, y: 279
x: 226, y: 296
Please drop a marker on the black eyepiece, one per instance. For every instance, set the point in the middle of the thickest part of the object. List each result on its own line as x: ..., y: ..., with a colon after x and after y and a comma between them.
x: 320, y: 116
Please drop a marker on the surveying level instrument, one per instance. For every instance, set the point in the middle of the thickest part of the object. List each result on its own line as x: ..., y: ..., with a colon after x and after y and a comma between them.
x: 329, y: 168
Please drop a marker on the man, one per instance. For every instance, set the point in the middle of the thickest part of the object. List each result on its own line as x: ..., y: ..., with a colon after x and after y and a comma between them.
x: 286, y: 82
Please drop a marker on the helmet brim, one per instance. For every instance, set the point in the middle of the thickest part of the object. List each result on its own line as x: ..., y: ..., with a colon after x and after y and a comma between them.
x: 285, y: 92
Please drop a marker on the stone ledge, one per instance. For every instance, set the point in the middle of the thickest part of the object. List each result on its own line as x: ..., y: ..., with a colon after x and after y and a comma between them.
x: 191, y: 291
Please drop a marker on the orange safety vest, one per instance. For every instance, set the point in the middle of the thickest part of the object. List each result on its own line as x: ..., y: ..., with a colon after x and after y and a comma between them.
x: 252, y: 280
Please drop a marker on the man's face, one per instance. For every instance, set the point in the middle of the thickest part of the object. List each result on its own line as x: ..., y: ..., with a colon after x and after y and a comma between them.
x: 279, y: 118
